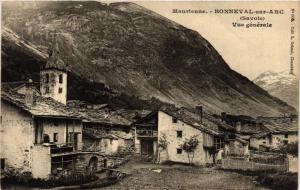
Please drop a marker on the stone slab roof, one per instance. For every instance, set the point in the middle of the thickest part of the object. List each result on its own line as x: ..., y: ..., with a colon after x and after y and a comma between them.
x: 280, y: 125
x: 43, y: 107
x: 208, y: 125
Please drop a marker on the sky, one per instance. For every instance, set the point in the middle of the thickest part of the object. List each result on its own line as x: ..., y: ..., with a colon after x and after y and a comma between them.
x: 249, y: 51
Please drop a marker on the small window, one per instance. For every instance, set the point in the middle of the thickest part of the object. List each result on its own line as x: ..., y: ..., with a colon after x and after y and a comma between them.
x: 174, y: 120
x: 46, y: 138
x: 286, y: 136
x: 285, y: 142
x: 219, y: 143
x: 55, y: 137
x: 47, y: 90
x: 179, y: 150
x: 179, y: 134
x: 47, y: 78
x: 60, y: 78
x: 2, y: 163
x: 60, y: 90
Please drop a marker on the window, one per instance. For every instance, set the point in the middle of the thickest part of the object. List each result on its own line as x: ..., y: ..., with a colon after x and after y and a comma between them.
x: 179, y: 134
x: 219, y: 143
x: 60, y: 90
x: 174, y: 120
x: 46, y: 138
x: 179, y: 150
x: 60, y: 78
x: 2, y: 163
x: 286, y: 136
x: 47, y: 78
x: 285, y: 141
x: 47, y: 89
x: 55, y: 137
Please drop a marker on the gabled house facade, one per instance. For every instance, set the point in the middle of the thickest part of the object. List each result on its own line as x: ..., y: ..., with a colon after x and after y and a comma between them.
x: 176, y: 131
x: 174, y: 127
x: 39, y: 134
x: 45, y: 134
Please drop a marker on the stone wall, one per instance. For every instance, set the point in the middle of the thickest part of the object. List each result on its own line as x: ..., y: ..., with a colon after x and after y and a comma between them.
x: 17, y: 138
x: 41, y: 162
x: 83, y: 160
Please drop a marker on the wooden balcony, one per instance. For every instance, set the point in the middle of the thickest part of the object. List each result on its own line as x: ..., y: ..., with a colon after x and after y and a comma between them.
x: 146, y: 133
x: 61, y: 148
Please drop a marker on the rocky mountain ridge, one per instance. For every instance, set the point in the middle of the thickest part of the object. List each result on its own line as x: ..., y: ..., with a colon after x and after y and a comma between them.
x: 282, y: 85
x: 133, y: 51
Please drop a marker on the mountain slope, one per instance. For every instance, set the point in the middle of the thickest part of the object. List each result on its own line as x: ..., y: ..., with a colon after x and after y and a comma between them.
x: 138, y: 52
x: 281, y: 85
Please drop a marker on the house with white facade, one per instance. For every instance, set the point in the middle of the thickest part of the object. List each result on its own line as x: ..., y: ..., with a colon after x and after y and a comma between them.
x: 175, y: 126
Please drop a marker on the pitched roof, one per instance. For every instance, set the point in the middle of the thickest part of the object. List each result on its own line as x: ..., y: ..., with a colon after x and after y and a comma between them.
x: 252, y: 129
x: 280, y: 124
x: 43, y: 107
x: 98, y: 113
x: 239, y: 140
x: 208, y: 125
x: 260, y: 135
x: 102, y: 116
x: 133, y: 115
x: 17, y: 85
x: 54, y: 61
x: 94, y: 135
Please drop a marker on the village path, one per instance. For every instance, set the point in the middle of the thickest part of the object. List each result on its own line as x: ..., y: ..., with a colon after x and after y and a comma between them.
x: 180, y: 177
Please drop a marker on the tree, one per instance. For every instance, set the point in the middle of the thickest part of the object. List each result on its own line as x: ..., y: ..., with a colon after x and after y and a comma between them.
x: 290, y: 148
x: 190, y: 146
x: 162, y: 145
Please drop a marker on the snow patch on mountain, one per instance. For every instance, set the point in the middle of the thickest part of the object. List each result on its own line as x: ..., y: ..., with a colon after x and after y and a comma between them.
x: 282, y: 85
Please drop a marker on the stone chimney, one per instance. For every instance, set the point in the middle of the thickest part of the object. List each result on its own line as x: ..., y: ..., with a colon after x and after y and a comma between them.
x: 238, y: 126
x: 199, y: 111
x: 30, y: 93
x: 223, y: 116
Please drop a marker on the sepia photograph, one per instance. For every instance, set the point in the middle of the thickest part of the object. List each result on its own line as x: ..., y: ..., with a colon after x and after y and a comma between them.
x: 149, y: 95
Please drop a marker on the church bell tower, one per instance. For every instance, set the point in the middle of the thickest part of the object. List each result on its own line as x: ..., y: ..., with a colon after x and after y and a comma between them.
x: 53, y: 77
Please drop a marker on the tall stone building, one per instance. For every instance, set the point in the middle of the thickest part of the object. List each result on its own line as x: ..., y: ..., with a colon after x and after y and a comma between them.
x: 53, y: 77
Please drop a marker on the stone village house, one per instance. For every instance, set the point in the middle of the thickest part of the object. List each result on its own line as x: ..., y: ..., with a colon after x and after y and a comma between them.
x: 278, y: 131
x: 177, y: 125
x: 39, y: 134
x: 104, y: 130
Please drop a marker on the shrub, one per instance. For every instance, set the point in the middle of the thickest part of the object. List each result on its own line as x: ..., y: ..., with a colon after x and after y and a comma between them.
x: 190, y: 146
x: 290, y: 148
x: 279, y: 180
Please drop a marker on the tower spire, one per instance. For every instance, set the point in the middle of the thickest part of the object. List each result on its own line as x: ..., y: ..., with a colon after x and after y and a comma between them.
x: 53, y: 76
x: 54, y: 61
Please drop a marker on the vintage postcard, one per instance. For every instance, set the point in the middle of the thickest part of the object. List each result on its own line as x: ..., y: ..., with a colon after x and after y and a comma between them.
x: 149, y: 95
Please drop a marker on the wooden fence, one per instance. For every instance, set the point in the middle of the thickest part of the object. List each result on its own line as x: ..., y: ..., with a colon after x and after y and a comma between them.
x: 236, y: 164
